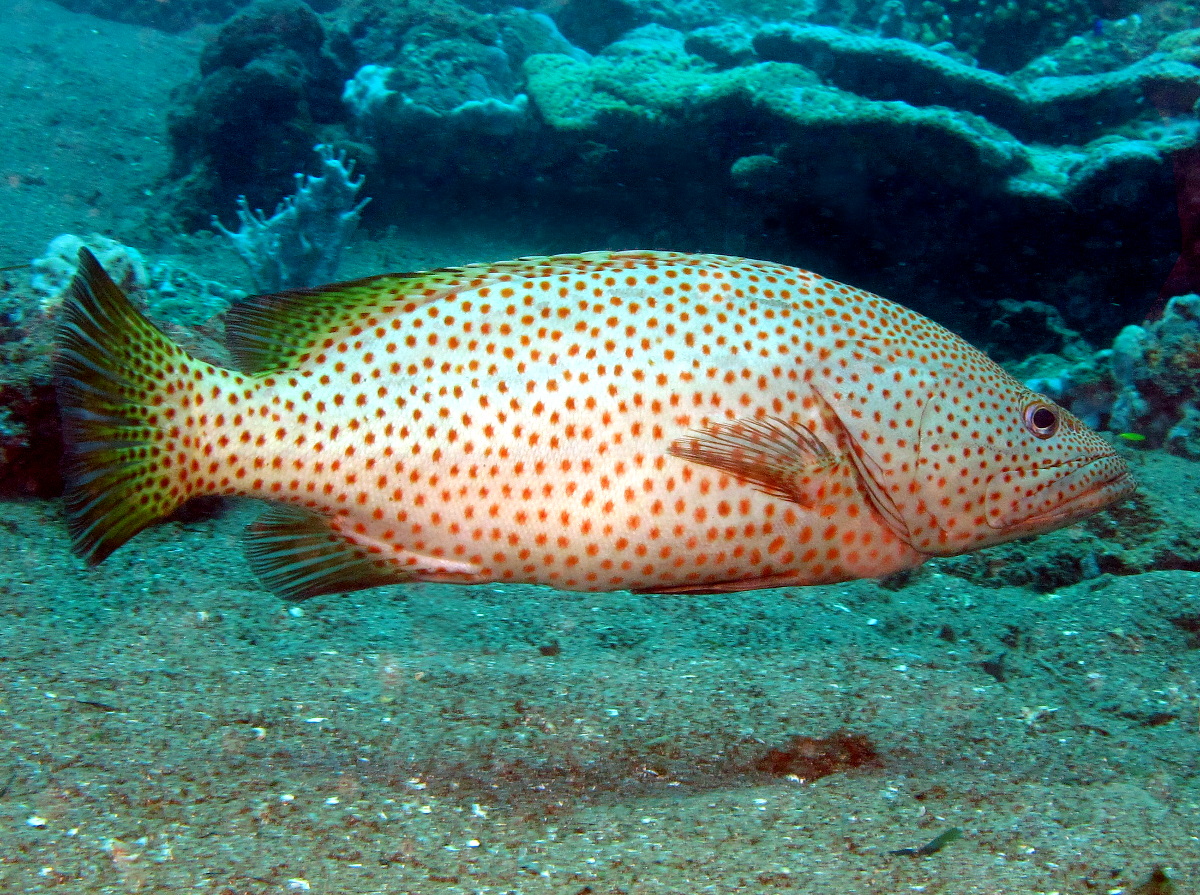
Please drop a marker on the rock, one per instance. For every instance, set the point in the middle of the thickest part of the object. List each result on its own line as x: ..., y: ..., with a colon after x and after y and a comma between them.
x: 594, y: 24
x: 1147, y: 385
x: 1050, y: 109
x: 726, y: 45
x: 53, y: 271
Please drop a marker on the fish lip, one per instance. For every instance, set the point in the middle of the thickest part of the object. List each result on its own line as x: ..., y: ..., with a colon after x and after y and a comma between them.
x: 1102, y: 494
x: 1116, y: 487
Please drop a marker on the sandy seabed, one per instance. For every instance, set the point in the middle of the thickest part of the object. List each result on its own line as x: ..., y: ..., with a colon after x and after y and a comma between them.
x: 167, y: 726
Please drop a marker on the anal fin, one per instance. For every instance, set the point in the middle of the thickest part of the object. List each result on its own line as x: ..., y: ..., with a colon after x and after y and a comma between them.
x: 733, y: 586
x: 297, y: 555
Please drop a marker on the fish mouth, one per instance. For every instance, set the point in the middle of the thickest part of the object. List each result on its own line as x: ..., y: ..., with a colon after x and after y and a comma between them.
x: 1058, y: 495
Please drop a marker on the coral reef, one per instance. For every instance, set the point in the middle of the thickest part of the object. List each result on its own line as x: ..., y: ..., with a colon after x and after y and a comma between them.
x: 1074, y: 36
x: 302, y: 242
x: 885, y: 158
x: 1112, y: 44
x: 1157, y: 371
x: 1002, y: 36
x: 382, y: 32
x: 850, y: 142
x: 1146, y: 385
x: 1185, y: 275
x: 268, y: 85
x: 594, y: 24
x: 1049, y: 109
x: 166, y: 291
x: 53, y: 271
x: 440, y: 97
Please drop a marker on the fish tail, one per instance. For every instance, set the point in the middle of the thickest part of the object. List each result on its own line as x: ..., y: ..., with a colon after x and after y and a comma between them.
x: 118, y: 379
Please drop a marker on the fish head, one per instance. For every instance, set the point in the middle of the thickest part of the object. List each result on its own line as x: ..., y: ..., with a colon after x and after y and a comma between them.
x: 957, y: 454
x: 1005, y: 463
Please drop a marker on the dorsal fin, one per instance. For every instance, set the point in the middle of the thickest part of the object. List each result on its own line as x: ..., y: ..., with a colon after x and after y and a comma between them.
x: 274, y: 332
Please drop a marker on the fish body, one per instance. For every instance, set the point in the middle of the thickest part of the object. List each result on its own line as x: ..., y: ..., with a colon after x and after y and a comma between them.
x: 619, y: 420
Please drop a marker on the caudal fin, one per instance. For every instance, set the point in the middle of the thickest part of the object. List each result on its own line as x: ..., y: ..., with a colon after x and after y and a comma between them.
x: 114, y: 370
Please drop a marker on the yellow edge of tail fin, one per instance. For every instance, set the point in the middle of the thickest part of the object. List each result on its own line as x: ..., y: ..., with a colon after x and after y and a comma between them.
x: 111, y: 370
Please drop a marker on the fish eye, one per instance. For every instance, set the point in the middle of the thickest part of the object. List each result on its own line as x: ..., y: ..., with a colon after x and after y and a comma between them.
x: 1041, y: 420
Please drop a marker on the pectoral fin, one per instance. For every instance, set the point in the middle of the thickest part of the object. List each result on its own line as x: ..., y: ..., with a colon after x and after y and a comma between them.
x: 779, y: 458
x: 789, y: 460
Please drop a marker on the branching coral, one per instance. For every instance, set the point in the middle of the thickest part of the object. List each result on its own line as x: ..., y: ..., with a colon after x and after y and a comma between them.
x: 302, y: 242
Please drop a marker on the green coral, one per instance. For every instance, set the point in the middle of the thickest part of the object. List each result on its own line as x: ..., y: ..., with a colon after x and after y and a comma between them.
x: 643, y: 81
x: 935, y: 125
x: 1045, y: 109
